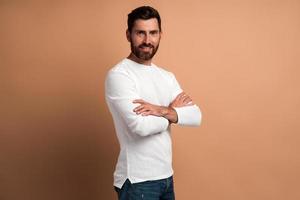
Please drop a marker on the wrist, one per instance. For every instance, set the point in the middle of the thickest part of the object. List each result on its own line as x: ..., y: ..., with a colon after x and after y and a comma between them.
x: 164, y: 111
x: 170, y: 114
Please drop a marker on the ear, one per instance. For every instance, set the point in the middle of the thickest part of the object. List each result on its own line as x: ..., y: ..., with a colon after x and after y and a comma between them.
x: 160, y: 34
x: 128, y: 35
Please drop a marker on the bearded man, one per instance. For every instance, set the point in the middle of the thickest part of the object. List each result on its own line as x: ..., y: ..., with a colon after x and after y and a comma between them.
x: 145, y: 100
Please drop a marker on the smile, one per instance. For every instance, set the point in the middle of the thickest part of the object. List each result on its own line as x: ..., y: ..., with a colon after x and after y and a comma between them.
x: 146, y: 48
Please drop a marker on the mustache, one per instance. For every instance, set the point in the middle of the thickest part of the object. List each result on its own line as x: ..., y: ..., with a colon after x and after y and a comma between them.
x: 146, y: 45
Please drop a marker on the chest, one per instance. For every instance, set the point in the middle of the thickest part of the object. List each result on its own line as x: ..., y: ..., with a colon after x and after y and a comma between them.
x: 154, y: 88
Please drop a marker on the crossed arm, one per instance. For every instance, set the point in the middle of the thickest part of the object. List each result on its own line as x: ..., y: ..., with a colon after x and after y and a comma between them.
x: 169, y: 112
x: 147, y: 119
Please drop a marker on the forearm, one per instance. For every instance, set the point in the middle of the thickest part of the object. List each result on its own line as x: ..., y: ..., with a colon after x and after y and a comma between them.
x: 169, y: 113
x: 188, y: 113
x: 146, y: 109
x: 137, y: 124
x: 120, y: 91
x: 148, y: 125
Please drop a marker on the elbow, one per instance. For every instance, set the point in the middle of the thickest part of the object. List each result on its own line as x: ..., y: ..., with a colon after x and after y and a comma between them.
x: 149, y: 125
x: 141, y: 133
x: 138, y: 128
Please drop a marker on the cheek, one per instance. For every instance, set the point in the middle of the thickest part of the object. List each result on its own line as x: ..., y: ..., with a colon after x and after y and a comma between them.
x: 136, y: 41
x: 156, y: 41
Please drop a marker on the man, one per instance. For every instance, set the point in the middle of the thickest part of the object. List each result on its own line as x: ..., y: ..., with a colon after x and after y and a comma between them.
x: 144, y: 101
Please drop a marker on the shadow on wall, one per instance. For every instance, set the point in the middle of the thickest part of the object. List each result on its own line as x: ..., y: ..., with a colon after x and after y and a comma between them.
x: 58, y: 146
x: 57, y: 140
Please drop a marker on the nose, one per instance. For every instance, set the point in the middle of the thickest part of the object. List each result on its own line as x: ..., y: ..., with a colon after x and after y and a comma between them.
x: 147, y: 38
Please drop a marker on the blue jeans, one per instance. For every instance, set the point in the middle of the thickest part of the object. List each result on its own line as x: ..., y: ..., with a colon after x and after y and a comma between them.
x: 149, y: 190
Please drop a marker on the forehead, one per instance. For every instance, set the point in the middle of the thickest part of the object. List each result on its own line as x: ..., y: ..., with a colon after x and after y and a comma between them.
x: 148, y: 24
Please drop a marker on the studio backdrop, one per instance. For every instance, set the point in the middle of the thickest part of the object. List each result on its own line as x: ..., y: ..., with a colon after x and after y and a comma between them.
x: 238, y: 60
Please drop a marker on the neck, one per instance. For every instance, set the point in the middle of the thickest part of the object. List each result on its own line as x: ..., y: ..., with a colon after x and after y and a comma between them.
x: 138, y: 60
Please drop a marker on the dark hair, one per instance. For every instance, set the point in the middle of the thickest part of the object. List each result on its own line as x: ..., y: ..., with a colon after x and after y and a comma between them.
x: 143, y: 12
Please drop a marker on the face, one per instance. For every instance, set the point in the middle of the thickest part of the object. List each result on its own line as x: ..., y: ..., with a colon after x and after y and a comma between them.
x: 144, y: 38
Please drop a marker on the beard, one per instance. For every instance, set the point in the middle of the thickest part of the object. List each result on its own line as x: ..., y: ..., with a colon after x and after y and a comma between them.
x: 143, y: 55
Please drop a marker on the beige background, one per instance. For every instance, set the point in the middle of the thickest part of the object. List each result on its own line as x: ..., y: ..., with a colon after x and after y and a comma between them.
x: 239, y: 60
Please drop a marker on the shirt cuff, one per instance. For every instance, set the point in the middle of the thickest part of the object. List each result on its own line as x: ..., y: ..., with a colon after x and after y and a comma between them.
x: 188, y: 115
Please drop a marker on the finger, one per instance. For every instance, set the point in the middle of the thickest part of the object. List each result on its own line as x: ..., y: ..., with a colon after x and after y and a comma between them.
x: 142, y: 110
x: 179, y: 96
x: 186, y: 99
x: 138, y: 108
x: 138, y: 101
x: 182, y: 94
x: 177, y: 99
x: 183, y: 97
x: 191, y: 103
x: 182, y: 100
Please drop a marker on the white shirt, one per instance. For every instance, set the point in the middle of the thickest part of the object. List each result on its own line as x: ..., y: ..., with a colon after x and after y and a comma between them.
x: 145, y: 142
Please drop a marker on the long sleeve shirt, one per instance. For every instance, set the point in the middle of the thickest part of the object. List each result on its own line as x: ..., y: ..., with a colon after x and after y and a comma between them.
x: 145, y: 141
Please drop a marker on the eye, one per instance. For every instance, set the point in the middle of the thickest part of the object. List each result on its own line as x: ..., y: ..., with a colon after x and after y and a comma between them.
x: 140, y: 33
x: 154, y: 32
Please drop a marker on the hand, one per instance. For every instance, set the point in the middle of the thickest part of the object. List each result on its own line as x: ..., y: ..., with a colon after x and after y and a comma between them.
x: 146, y: 109
x: 181, y: 100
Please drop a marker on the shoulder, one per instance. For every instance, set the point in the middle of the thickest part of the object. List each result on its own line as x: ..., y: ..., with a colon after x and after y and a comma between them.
x: 119, y: 76
x: 119, y: 68
x: 164, y: 71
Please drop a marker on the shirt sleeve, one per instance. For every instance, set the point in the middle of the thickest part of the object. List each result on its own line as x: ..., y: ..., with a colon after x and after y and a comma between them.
x: 120, y: 91
x: 187, y: 115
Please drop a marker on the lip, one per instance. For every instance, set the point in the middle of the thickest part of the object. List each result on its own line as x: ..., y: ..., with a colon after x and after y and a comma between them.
x: 146, y: 48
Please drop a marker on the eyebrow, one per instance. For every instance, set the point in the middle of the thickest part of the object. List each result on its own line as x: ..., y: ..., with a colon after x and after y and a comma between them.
x: 155, y: 30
